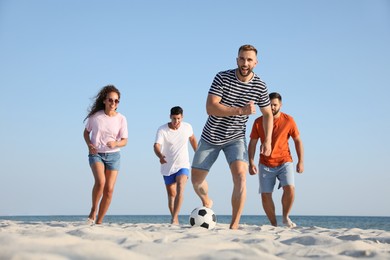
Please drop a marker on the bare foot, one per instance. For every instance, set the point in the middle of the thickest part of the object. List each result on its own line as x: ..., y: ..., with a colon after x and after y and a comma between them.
x: 288, y: 223
x: 233, y: 226
x: 209, y: 204
x: 92, y: 215
x: 90, y: 221
x: 99, y: 221
x: 174, y: 221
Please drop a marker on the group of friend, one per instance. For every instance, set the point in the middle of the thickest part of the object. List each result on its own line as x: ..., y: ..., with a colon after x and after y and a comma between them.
x: 232, y: 97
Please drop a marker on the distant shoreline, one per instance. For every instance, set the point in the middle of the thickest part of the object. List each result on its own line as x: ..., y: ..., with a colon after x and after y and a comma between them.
x: 362, y: 222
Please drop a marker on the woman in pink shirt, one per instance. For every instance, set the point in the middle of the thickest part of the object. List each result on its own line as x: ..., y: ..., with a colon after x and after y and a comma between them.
x: 105, y: 132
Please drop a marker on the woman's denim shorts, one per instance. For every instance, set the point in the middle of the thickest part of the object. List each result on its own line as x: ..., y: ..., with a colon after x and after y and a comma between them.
x: 111, y: 161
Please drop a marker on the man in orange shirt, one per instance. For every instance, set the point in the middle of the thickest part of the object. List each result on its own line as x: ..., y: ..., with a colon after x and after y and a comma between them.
x: 278, y: 165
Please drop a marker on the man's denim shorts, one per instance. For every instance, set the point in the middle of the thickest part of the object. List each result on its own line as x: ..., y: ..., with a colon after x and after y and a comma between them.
x: 111, y: 161
x: 268, y: 175
x: 207, y: 153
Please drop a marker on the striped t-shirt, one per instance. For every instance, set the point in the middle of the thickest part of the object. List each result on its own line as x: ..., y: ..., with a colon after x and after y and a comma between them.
x: 234, y: 93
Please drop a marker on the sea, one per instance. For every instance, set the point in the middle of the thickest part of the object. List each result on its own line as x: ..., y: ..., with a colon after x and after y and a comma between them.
x: 330, y: 222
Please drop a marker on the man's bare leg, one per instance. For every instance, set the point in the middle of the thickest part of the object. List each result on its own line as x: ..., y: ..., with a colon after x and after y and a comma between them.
x: 198, y: 179
x: 171, y: 193
x: 269, y: 207
x: 287, y: 202
x: 238, y: 170
x: 181, y: 181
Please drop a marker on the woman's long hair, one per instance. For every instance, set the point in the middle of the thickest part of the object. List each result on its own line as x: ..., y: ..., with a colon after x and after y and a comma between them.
x: 100, y: 97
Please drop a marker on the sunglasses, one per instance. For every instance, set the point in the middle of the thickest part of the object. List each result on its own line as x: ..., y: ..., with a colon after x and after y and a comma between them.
x: 113, y: 100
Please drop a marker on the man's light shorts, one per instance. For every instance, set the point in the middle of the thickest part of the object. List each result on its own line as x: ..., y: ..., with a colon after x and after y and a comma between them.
x: 267, y: 176
x: 207, y: 153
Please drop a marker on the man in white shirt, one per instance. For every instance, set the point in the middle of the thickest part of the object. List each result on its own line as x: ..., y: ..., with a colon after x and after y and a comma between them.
x: 171, y: 147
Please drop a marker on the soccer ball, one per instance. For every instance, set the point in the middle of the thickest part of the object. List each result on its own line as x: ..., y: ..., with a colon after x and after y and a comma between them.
x: 203, y: 217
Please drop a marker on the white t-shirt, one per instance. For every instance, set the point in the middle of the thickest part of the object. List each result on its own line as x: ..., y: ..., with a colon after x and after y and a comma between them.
x: 174, y: 145
x: 104, y: 129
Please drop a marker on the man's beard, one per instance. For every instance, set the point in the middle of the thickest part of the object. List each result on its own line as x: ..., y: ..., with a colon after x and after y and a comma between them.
x: 242, y: 75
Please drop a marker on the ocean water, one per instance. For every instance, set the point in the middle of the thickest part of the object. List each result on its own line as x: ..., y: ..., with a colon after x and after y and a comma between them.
x: 361, y: 222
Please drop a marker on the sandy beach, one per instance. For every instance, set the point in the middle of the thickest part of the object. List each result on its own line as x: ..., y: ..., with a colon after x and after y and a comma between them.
x: 78, y: 240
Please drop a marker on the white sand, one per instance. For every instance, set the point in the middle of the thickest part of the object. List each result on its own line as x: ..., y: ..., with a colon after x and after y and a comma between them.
x: 76, y: 240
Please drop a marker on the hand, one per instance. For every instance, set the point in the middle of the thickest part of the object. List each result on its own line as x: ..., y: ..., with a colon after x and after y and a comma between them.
x: 300, y: 167
x: 112, y: 144
x: 266, y: 149
x: 249, y: 108
x: 252, y: 169
x: 92, y: 149
x: 162, y: 159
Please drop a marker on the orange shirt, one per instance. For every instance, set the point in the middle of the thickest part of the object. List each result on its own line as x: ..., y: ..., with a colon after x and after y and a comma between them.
x: 284, y: 127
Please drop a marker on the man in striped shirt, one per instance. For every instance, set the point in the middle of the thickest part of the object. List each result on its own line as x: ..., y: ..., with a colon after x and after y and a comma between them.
x: 233, y: 96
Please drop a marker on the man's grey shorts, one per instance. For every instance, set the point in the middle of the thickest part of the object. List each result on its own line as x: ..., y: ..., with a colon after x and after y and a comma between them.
x: 267, y: 176
x: 207, y: 153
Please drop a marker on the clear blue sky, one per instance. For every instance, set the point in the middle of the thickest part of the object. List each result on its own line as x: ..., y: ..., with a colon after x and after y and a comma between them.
x: 330, y: 60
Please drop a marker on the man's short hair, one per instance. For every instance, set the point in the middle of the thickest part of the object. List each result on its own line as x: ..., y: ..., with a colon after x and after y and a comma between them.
x: 247, y: 47
x: 176, y: 111
x: 274, y: 95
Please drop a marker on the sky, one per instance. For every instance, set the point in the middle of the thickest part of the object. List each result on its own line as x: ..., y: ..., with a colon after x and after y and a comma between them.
x: 330, y: 60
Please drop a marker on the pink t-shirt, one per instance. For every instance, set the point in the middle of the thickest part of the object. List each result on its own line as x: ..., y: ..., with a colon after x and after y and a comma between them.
x: 104, y: 129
